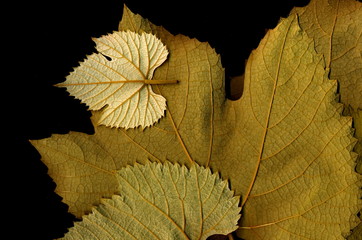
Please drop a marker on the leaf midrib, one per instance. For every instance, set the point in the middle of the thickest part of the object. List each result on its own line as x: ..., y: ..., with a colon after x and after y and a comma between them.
x: 155, y: 207
x: 267, y: 118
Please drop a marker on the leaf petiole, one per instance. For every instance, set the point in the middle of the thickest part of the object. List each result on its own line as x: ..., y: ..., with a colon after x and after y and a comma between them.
x: 147, y: 81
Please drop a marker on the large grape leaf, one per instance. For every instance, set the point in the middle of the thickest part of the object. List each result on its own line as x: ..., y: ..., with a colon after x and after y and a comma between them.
x: 304, y: 155
x: 357, y: 116
x: 163, y: 202
x: 83, y: 166
x: 357, y: 233
x: 336, y: 27
x: 284, y: 145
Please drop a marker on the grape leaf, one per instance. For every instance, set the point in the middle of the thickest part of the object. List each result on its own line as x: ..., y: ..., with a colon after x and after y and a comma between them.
x: 116, y: 77
x: 357, y: 233
x: 357, y: 116
x: 284, y: 145
x: 162, y: 202
x: 304, y: 171
x: 336, y: 27
x: 83, y: 160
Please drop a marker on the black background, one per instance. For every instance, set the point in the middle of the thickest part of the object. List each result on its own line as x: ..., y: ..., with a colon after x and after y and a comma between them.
x: 45, y: 40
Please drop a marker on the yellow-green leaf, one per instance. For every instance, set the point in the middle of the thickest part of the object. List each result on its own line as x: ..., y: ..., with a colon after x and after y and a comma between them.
x: 193, y: 106
x: 116, y: 77
x: 357, y: 233
x: 357, y: 117
x: 284, y: 145
x: 162, y: 202
x: 302, y: 171
x: 336, y: 27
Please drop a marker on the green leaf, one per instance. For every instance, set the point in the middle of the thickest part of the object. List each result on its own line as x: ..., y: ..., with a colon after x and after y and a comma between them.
x: 162, y: 202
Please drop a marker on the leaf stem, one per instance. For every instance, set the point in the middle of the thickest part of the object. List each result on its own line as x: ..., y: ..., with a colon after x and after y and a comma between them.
x: 230, y: 236
x: 160, y: 81
x: 147, y: 81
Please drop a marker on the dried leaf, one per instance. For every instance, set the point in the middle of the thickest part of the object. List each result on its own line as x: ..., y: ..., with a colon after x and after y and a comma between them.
x: 284, y: 145
x: 162, y: 202
x: 236, y: 87
x: 357, y: 117
x: 357, y: 233
x: 187, y: 129
x: 303, y: 169
x: 116, y: 77
x: 336, y: 27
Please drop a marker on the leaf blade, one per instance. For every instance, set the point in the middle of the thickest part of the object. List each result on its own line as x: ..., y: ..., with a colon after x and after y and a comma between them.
x: 211, y: 130
x: 303, y: 132
x: 336, y: 28
x: 115, y: 78
x: 159, y: 202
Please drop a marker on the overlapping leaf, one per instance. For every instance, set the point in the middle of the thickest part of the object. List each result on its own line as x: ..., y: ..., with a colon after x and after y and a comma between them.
x: 116, y: 77
x: 357, y: 233
x: 185, y: 134
x: 357, y: 116
x: 284, y: 145
x: 303, y: 170
x: 336, y: 28
x: 162, y: 202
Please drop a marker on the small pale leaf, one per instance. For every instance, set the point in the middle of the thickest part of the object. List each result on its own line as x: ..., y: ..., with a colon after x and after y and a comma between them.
x: 163, y: 201
x: 115, y: 77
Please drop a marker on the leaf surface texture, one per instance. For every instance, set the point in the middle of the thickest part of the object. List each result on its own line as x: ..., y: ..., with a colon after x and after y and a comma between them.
x: 302, y: 157
x: 284, y: 145
x: 162, y: 202
x: 336, y: 27
x: 115, y: 77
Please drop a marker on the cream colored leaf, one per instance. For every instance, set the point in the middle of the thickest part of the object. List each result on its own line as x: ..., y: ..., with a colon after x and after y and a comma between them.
x: 116, y: 77
x: 162, y: 202
x: 284, y: 145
